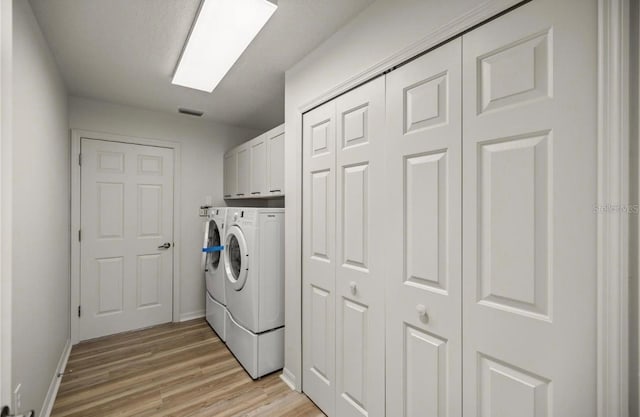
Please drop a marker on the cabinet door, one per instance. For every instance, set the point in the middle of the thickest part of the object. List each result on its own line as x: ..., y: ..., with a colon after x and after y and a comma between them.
x: 275, y: 164
x: 360, y: 252
x: 244, y: 171
x: 423, y: 254
x: 530, y: 234
x: 258, y: 166
x: 230, y: 175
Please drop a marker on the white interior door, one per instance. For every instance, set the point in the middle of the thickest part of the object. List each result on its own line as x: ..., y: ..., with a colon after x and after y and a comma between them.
x: 360, y: 251
x: 423, y: 249
x: 126, y: 218
x: 529, y: 153
x: 318, y: 256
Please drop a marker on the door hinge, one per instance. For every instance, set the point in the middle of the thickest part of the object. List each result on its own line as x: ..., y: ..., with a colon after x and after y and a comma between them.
x: 79, y: 311
x: 79, y: 235
x: 80, y: 159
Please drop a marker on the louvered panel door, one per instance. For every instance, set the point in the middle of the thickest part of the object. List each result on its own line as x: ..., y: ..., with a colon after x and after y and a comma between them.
x: 360, y: 251
x: 529, y: 227
x: 318, y: 256
x: 423, y: 247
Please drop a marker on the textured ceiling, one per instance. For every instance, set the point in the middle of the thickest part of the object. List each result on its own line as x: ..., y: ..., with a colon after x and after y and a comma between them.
x: 125, y: 51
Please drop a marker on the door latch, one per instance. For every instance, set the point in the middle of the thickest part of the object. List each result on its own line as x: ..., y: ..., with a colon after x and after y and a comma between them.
x: 6, y: 412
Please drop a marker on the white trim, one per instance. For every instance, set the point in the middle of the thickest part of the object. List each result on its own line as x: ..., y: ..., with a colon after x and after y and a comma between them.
x: 76, y: 135
x: 613, y: 182
x: 288, y: 378
x: 613, y: 188
x: 191, y: 316
x: 6, y: 200
x: 50, y: 399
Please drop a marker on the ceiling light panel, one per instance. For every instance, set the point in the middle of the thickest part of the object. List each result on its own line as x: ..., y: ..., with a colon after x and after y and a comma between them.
x: 221, y: 32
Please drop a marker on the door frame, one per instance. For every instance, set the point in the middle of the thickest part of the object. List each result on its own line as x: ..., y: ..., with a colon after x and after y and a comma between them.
x: 612, y: 189
x: 6, y: 191
x: 76, y: 136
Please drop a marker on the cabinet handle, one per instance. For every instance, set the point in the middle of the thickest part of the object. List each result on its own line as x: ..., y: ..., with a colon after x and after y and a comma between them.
x: 353, y: 287
x: 227, y: 195
x: 275, y: 191
x: 240, y: 194
x: 255, y: 192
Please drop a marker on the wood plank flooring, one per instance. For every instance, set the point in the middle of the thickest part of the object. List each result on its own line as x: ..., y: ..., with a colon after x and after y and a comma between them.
x: 176, y: 369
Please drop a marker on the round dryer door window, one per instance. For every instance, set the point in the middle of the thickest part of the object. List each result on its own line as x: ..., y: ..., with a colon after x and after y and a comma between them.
x: 213, y: 239
x: 236, y: 258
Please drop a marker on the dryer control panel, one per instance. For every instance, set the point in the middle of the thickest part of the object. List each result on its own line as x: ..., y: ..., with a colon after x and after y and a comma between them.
x: 243, y: 216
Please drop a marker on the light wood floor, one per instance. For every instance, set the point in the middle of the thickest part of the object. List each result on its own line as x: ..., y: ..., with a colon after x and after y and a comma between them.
x: 180, y: 369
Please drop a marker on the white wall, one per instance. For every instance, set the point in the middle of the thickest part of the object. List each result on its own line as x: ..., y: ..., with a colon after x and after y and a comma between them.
x: 385, y: 31
x: 202, y: 145
x: 41, y: 217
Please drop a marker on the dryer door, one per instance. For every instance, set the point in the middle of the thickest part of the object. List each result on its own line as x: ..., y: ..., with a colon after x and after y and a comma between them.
x: 213, y: 239
x: 236, y: 258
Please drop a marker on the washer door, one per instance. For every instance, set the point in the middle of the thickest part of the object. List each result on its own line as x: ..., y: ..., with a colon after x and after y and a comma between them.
x: 236, y: 258
x: 213, y: 239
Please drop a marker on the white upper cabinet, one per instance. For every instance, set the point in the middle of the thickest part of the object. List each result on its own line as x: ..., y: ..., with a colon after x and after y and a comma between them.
x: 244, y: 172
x: 258, y: 169
x: 255, y: 169
x: 275, y: 161
x: 230, y: 180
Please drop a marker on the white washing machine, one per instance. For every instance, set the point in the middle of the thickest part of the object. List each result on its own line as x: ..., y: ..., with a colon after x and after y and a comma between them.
x: 214, y: 270
x: 254, y: 271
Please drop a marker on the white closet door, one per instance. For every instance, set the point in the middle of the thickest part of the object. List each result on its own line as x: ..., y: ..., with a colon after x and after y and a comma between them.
x: 423, y: 248
x: 529, y: 228
x: 318, y: 256
x: 360, y: 244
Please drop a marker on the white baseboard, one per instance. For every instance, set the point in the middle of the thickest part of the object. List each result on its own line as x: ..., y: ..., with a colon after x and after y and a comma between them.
x: 288, y: 378
x: 47, y: 406
x: 193, y: 315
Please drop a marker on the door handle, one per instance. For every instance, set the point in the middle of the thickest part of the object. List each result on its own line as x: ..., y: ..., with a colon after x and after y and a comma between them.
x: 165, y: 245
x: 422, y: 313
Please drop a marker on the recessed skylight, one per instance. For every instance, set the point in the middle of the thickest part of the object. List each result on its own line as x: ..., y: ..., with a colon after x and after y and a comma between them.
x: 222, y: 31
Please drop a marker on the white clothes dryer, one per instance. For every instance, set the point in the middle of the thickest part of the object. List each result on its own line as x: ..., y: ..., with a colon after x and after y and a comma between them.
x: 214, y: 270
x: 254, y: 271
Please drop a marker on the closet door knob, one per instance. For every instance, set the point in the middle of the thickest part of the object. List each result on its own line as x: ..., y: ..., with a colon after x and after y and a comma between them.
x: 422, y: 313
x: 353, y: 287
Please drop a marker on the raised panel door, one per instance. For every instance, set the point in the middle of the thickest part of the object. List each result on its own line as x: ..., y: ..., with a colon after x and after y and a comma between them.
x: 529, y: 189
x: 275, y: 153
x: 230, y: 175
x: 258, y: 167
x: 360, y: 251
x: 126, y: 215
x: 244, y: 170
x: 319, y: 256
x: 423, y: 244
